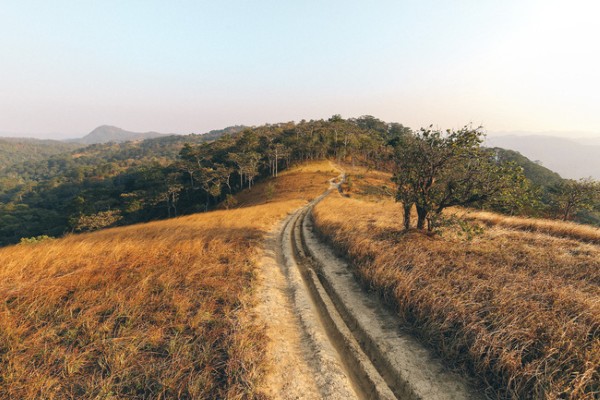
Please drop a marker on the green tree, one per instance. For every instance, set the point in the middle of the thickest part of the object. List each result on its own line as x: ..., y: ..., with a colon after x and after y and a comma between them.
x: 435, y: 170
x: 93, y: 222
x: 570, y: 196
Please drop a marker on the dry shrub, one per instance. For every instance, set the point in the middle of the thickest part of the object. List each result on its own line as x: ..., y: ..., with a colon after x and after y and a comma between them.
x: 157, y: 310
x: 521, y: 310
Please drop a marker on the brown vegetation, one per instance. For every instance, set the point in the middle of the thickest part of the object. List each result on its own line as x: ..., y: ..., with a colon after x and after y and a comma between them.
x: 571, y: 230
x: 520, y: 309
x: 368, y: 184
x: 158, y: 310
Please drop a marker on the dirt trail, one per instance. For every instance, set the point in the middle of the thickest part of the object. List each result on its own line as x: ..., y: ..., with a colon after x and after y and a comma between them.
x: 328, y: 338
x: 290, y: 377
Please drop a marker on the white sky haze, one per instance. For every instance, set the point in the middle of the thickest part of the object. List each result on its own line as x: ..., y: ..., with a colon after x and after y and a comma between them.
x: 192, y: 66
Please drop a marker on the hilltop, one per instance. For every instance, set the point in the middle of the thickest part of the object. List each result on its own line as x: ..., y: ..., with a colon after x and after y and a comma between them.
x: 112, y: 134
x: 107, y: 133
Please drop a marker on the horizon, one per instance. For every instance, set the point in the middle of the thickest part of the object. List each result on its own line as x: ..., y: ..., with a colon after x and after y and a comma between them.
x: 196, y: 67
x: 575, y: 135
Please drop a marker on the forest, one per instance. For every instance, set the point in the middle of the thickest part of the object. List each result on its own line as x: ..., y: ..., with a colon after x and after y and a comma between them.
x: 68, y: 190
x: 17, y: 150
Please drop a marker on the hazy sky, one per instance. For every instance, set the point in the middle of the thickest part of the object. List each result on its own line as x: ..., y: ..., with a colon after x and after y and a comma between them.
x: 192, y: 66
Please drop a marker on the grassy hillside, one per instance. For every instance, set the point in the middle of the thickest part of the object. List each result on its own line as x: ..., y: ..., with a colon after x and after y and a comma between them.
x: 41, y: 196
x: 517, y: 305
x: 157, y: 310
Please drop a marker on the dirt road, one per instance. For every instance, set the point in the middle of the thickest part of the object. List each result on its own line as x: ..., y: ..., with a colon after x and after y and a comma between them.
x: 328, y: 337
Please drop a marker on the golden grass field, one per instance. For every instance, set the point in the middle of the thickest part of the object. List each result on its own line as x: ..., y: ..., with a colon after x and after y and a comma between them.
x: 156, y: 310
x: 586, y: 233
x: 521, y: 309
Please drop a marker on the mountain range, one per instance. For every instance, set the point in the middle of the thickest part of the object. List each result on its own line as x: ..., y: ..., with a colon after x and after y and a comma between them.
x: 571, y: 158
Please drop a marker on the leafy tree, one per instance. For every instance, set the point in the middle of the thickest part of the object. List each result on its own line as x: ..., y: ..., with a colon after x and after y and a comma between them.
x: 436, y: 170
x: 571, y: 196
x: 103, y: 219
x: 247, y: 166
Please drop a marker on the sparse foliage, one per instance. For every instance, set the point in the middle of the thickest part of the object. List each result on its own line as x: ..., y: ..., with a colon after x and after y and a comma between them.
x: 35, y: 240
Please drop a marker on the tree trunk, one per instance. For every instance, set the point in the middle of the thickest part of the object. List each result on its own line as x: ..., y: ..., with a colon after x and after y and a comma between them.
x: 422, y: 217
x: 567, y: 212
x: 173, y: 205
x: 228, y: 183
x: 407, y: 208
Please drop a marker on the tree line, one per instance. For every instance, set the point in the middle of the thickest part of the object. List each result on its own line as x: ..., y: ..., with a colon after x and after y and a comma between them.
x: 117, y: 184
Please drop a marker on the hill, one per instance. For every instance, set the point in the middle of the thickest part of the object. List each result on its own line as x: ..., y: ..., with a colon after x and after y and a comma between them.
x: 124, y: 183
x: 567, y: 157
x: 99, y: 313
x: 589, y: 141
x: 19, y: 150
x: 38, y: 195
x: 106, y: 133
x: 136, y: 181
x: 536, y: 173
x: 158, y: 310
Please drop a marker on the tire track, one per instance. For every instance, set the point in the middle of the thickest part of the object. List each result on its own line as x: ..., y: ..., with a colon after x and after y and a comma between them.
x: 359, y: 350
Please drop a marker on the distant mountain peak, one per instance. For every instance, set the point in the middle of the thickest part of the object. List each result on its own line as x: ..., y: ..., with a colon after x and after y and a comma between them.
x: 109, y: 133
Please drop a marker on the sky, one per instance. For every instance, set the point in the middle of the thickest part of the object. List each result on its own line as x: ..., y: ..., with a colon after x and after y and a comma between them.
x: 192, y: 66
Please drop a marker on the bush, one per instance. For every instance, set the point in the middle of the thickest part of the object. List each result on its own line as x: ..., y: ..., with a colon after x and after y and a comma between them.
x: 35, y: 239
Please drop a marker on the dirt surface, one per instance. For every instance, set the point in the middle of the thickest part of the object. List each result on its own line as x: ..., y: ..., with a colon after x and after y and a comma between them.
x: 303, y: 363
x: 328, y: 338
x: 290, y: 376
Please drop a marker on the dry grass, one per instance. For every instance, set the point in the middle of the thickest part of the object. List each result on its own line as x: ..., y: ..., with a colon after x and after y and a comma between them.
x: 157, y: 310
x: 367, y: 184
x: 556, y: 228
x: 302, y: 183
x: 520, y: 309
